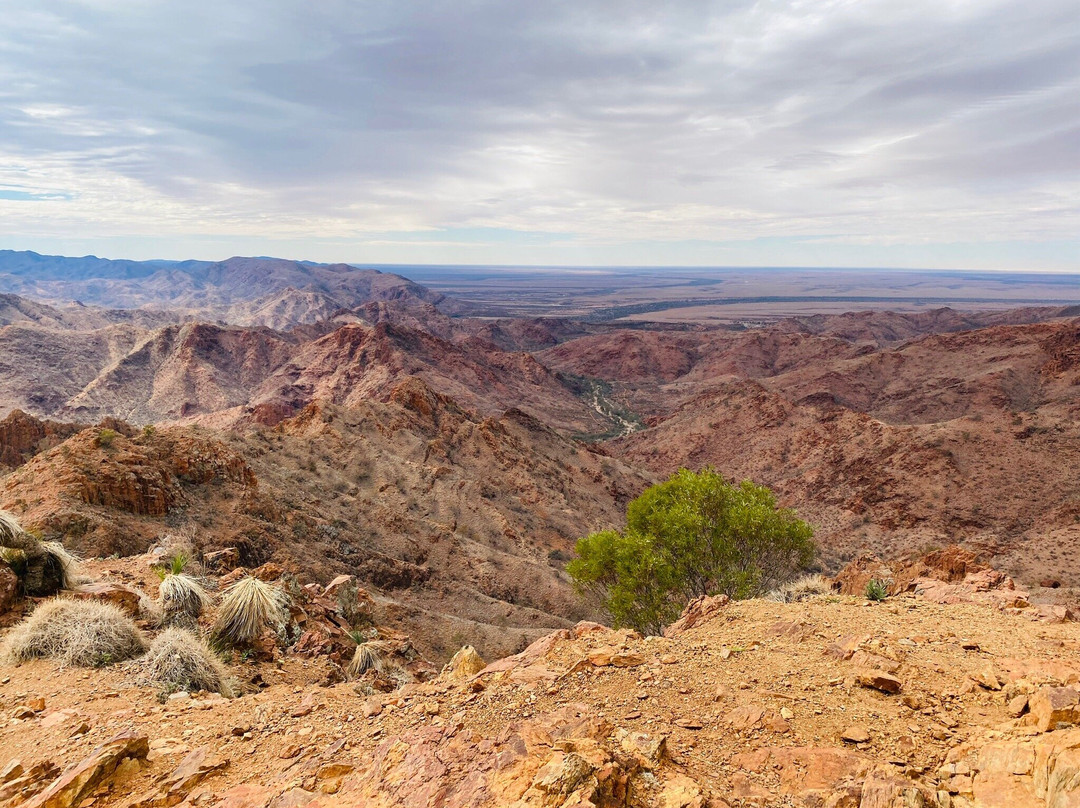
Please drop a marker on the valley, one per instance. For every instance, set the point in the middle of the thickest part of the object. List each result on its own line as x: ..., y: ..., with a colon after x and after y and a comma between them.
x: 451, y: 461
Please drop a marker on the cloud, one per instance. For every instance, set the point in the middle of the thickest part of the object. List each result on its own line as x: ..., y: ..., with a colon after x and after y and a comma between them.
x: 607, y: 124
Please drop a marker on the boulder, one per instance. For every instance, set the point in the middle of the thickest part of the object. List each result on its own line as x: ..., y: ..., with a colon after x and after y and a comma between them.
x: 79, y: 781
x: 464, y: 664
x: 1052, y: 706
x: 124, y: 597
x: 878, y: 680
x: 697, y: 611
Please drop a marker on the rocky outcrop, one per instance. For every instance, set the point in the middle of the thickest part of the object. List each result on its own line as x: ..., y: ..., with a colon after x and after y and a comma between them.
x: 79, y: 781
x: 22, y: 436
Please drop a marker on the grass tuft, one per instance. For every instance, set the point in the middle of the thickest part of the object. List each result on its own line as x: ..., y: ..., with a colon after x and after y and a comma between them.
x: 181, y: 660
x: 801, y: 589
x: 77, y: 632
x: 182, y: 600
x: 247, y: 608
x: 369, y: 656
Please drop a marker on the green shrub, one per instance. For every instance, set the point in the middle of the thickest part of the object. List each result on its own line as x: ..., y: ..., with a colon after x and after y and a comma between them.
x: 105, y: 438
x: 876, y: 589
x: 696, y: 534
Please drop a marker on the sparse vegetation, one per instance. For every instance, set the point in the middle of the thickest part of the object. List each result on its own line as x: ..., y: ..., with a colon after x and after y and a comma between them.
x: 182, y: 600
x: 181, y: 660
x: 247, y: 608
x: 353, y: 608
x: 367, y: 657
x: 84, y: 633
x: 801, y: 589
x: 43, y: 568
x: 877, y: 589
x: 696, y: 534
x: 106, y: 438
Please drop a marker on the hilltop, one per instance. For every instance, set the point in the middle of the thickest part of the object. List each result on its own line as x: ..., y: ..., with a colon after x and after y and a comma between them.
x: 947, y: 695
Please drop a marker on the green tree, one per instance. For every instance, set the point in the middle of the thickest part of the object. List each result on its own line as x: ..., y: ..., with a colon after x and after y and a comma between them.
x: 696, y: 534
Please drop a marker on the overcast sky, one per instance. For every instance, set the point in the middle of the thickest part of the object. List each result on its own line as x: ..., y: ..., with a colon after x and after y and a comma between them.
x: 943, y: 133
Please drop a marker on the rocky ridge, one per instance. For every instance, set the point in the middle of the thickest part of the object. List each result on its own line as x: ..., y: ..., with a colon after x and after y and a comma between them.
x: 834, y: 701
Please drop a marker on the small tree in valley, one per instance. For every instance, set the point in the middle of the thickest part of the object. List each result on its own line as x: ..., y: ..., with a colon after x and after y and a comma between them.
x: 696, y: 534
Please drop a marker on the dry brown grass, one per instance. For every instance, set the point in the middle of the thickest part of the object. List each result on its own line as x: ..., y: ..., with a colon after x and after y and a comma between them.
x: 181, y: 660
x: 369, y: 656
x: 77, y: 632
x: 801, y: 589
x: 248, y: 608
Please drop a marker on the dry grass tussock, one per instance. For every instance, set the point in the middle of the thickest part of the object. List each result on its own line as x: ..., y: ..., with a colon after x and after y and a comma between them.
x: 369, y: 656
x: 43, y: 567
x: 801, y: 589
x: 182, y: 600
x: 247, y: 608
x: 181, y: 660
x: 76, y: 632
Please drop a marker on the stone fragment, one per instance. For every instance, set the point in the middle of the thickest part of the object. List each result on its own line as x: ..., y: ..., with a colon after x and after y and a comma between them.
x: 57, y: 717
x: 650, y: 749
x: 1053, y: 706
x: 878, y: 680
x: 856, y: 733
x: 126, y: 598
x: 79, y: 781
x: 1017, y: 706
x: 627, y: 659
x: 745, y: 717
x: 28, y: 783
x: 681, y: 792
x: 223, y: 559
x: 987, y: 677
x: 13, y: 769
x: 845, y: 648
x: 563, y: 774
x: 696, y: 612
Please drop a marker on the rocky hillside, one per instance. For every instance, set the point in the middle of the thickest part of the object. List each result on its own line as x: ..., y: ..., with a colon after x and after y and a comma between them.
x: 885, y: 446
x: 933, y: 698
x: 461, y: 521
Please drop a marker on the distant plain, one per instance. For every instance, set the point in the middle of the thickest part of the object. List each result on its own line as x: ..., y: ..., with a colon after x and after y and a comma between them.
x: 730, y: 295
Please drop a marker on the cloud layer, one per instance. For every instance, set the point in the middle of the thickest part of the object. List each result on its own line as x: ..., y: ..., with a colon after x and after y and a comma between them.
x: 550, y: 131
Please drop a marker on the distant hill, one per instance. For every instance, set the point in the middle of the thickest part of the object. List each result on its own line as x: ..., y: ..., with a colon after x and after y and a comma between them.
x: 274, y: 292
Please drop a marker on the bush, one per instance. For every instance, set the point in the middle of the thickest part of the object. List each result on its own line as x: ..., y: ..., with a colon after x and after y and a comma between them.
x: 77, y: 632
x: 877, y: 589
x: 105, y: 438
x: 247, y: 608
x: 181, y: 660
x: 43, y: 568
x: 694, y: 535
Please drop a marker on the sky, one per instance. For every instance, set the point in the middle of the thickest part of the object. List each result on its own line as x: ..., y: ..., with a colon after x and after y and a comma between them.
x: 898, y: 133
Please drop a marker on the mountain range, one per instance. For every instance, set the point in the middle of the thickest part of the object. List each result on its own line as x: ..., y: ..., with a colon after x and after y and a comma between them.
x: 451, y: 461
